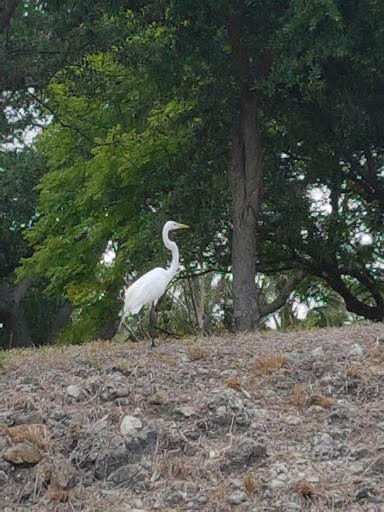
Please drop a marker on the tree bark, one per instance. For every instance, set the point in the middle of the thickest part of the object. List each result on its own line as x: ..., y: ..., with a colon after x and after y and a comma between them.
x: 12, y: 315
x: 245, y: 173
x: 7, y: 8
x: 246, y: 177
x: 61, y: 320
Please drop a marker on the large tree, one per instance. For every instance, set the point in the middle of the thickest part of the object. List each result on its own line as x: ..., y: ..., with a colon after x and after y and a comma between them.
x: 173, y: 103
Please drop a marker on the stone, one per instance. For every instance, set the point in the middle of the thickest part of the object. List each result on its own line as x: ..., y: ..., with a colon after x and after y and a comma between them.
x: 44, y: 470
x: 33, y: 417
x: 187, y: 489
x: 378, y: 464
x: 130, y: 424
x: 291, y: 507
x: 74, y: 391
x: 129, y: 473
x: 355, y: 352
x: 159, y: 398
x: 186, y: 411
x: 323, y: 444
x: 3, y: 477
x: 318, y: 352
x: 247, y: 451
x: 23, y: 453
x: 293, y: 420
x: 64, y: 475
x: 109, y: 460
x: 237, y: 497
x: 141, y: 442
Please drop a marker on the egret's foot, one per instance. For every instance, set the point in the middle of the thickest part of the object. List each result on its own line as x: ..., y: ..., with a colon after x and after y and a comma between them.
x: 167, y: 332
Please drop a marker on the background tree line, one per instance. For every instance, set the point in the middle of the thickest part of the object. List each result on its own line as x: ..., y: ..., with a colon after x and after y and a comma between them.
x: 258, y: 123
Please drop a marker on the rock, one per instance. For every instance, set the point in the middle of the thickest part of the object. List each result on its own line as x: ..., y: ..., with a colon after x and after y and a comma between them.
x: 237, y: 497
x: 355, y: 352
x: 336, y: 499
x: 44, y: 471
x: 312, y: 478
x: 23, y: 453
x: 188, y: 489
x: 33, y: 417
x: 186, y: 411
x: 276, y: 484
x: 129, y: 473
x: 159, y: 398
x: 141, y: 442
x: 182, y: 491
x: 74, y: 391
x: 318, y: 352
x: 129, y: 425
x: 5, y: 466
x: 315, y: 409
x: 109, y: 460
x: 246, y: 452
x: 378, y: 464
x: 64, y: 475
x: 323, y: 445
x: 291, y: 507
x: 3, y: 476
x: 293, y: 420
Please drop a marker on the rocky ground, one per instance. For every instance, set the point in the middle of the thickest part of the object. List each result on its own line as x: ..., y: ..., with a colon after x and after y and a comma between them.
x: 272, y: 422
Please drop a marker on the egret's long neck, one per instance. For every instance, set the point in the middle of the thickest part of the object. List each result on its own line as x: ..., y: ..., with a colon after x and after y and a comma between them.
x: 175, y: 254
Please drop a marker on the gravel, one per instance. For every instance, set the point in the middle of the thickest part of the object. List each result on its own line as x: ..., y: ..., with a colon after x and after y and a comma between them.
x: 274, y: 422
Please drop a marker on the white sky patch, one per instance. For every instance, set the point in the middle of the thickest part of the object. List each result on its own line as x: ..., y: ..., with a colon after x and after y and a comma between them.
x: 365, y: 239
x: 109, y: 254
x: 320, y: 197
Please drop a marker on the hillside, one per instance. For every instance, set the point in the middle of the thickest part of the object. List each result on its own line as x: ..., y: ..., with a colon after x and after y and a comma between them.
x: 273, y: 422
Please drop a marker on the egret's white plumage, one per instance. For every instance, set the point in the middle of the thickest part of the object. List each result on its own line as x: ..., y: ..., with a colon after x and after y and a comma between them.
x: 148, y: 289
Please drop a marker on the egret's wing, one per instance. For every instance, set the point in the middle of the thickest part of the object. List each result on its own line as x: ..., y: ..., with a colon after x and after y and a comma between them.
x: 147, y: 289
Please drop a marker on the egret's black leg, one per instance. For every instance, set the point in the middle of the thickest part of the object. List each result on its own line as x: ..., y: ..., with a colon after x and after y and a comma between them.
x: 152, y: 320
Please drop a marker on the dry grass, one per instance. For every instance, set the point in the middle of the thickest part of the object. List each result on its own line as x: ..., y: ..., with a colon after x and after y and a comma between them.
x: 234, y: 383
x: 322, y: 401
x: 250, y: 484
x: 352, y: 371
x: 266, y: 364
x: 299, y: 395
x: 305, y: 489
x: 59, y: 496
x: 34, y: 434
x: 196, y: 353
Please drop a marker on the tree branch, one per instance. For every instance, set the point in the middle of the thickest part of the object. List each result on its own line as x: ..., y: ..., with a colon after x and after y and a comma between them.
x: 367, y: 281
x: 353, y: 304
x: 7, y: 9
x: 279, y: 302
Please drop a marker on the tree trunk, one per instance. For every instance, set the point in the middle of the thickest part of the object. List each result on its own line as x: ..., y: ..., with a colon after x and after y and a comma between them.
x: 246, y: 176
x: 245, y: 173
x: 12, y: 315
x: 61, y: 320
x: 7, y: 9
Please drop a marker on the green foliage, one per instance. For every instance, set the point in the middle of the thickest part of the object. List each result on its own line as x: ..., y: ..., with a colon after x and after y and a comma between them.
x: 143, y: 102
x: 19, y: 173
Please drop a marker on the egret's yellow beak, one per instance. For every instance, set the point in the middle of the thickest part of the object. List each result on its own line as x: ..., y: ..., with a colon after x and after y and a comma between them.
x: 183, y: 226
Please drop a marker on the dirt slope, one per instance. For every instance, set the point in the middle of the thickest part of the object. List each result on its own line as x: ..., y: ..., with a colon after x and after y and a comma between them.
x: 272, y: 422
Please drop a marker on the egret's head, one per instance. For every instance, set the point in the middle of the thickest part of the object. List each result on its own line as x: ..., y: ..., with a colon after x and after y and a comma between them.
x: 171, y: 225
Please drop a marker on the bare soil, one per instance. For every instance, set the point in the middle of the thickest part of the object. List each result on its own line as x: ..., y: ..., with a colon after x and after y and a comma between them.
x: 261, y: 422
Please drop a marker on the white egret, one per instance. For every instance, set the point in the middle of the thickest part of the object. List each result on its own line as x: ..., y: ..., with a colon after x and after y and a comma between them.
x: 148, y: 289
